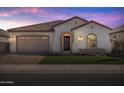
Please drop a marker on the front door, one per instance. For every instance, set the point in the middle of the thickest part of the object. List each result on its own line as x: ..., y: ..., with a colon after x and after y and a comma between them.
x: 66, y: 45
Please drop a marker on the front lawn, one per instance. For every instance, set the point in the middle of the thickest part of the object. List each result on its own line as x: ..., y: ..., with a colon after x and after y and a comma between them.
x: 81, y: 60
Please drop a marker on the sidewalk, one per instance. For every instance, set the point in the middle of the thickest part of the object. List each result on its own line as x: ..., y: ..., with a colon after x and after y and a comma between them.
x: 36, y: 68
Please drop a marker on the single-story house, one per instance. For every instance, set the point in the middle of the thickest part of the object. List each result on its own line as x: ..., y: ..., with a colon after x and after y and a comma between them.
x: 4, y: 41
x: 117, y: 40
x: 61, y: 36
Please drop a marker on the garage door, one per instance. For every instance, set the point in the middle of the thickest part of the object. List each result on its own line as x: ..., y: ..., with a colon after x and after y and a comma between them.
x: 32, y: 44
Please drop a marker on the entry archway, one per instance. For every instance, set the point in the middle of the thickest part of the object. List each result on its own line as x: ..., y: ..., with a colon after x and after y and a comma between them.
x: 66, y: 42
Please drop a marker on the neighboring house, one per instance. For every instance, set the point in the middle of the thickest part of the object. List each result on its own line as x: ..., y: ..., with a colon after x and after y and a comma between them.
x: 117, y: 40
x: 4, y: 41
x: 60, y: 37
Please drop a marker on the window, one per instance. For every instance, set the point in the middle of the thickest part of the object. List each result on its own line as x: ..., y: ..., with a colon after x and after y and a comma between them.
x: 91, y: 41
x: 44, y: 37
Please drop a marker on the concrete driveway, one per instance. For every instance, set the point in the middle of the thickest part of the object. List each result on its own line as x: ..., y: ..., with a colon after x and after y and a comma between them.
x: 20, y: 59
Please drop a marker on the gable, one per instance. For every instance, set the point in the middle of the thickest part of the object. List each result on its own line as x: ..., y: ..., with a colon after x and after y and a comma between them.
x: 70, y: 19
x: 70, y: 23
x: 94, y: 23
x: 96, y: 26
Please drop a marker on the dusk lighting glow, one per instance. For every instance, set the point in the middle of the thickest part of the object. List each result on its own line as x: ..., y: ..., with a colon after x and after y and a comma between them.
x: 15, y: 17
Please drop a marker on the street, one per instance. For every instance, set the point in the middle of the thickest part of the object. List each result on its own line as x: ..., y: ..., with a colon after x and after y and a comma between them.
x: 85, y: 79
x: 61, y: 75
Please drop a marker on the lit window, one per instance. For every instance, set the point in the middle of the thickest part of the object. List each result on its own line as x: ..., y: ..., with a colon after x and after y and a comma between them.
x: 91, y: 41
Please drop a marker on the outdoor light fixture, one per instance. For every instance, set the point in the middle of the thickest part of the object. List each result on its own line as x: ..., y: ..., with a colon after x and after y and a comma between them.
x: 80, y: 38
x: 11, y: 38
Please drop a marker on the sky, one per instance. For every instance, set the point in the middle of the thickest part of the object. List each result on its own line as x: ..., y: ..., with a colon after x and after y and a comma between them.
x: 15, y: 17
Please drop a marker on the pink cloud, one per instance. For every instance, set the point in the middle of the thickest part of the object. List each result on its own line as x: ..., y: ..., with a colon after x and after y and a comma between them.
x: 19, y: 11
x: 42, y: 15
x: 7, y: 24
x: 109, y: 19
x: 55, y: 16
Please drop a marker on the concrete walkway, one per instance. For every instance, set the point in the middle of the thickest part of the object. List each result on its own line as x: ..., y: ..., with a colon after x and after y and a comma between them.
x: 61, y: 69
x: 20, y: 59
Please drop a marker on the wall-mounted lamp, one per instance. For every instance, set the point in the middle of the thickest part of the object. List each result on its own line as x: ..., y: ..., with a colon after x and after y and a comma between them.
x: 11, y: 38
x: 80, y: 38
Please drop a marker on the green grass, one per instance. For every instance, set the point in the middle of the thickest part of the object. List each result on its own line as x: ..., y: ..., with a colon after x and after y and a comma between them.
x: 81, y: 60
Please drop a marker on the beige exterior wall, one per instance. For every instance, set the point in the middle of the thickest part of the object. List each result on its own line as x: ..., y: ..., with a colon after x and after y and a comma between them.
x: 102, y: 33
x: 119, y: 36
x: 103, y: 40
x: 14, y: 34
x: 4, y: 39
x: 65, y: 27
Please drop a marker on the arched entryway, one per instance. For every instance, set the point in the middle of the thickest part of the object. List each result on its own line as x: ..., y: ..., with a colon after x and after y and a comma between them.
x: 66, y: 42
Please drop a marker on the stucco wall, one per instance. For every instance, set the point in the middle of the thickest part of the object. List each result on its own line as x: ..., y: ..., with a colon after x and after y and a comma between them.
x: 14, y: 34
x: 119, y: 36
x: 4, y: 39
x: 103, y: 40
x: 102, y: 33
x: 4, y: 47
x: 65, y: 27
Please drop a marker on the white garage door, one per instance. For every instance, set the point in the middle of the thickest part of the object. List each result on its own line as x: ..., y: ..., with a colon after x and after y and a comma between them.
x: 32, y: 44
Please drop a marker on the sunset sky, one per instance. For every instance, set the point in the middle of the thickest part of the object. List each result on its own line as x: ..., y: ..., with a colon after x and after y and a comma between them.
x: 15, y: 17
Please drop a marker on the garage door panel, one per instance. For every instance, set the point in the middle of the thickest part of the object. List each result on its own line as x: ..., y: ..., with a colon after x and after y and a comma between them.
x: 33, y: 44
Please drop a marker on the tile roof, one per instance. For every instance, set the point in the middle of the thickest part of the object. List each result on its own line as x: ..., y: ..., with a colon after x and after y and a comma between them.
x: 118, y: 29
x: 48, y: 26
x: 3, y: 33
x: 92, y: 21
x: 45, y: 27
